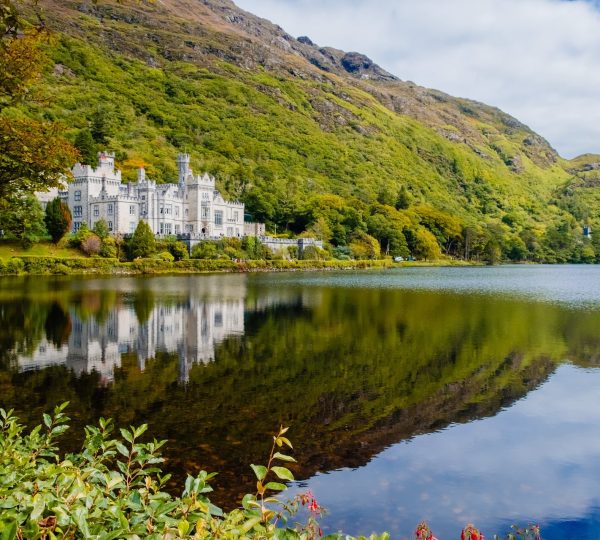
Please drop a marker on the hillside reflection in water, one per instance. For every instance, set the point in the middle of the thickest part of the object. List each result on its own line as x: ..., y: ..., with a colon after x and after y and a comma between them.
x: 402, y: 390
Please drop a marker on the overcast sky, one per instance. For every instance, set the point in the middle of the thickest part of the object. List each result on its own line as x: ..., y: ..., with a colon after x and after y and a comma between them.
x: 538, y: 60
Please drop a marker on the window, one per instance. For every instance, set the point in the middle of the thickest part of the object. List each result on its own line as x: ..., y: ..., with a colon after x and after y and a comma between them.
x: 132, y: 226
x: 110, y: 209
x: 235, y: 216
x: 204, y: 195
x: 162, y: 228
x: 168, y: 209
x: 96, y: 210
x: 218, y: 319
x: 168, y: 229
x: 77, y: 211
x: 110, y: 226
x: 229, y: 231
x: 177, y: 229
x: 143, y: 197
x: 162, y: 209
x: 76, y: 225
x: 218, y: 217
x: 205, y: 211
x: 78, y: 195
x: 132, y: 210
x: 177, y: 211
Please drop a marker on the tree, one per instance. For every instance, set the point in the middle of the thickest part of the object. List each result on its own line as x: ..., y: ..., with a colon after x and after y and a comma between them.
x: 58, y: 219
x: 101, y: 229
x: 84, y: 142
x: 22, y: 217
x: 364, y: 246
x: 35, y: 156
x: 404, y: 199
x: 143, y: 242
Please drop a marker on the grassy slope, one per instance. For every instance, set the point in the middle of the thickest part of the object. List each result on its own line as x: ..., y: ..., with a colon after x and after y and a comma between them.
x: 286, y: 137
x: 42, y: 249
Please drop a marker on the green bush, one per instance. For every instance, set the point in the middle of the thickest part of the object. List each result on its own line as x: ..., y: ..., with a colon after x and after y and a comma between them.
x: 165, y: 256
x: 15, y: 265
x: 114, y: 488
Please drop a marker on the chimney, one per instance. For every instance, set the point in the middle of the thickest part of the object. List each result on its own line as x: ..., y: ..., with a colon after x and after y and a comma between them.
x: 141, y: 174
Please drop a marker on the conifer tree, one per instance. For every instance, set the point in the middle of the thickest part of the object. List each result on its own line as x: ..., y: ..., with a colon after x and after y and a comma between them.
x: 84, y: 142
x: 58, y: 219
x: 143, y: 243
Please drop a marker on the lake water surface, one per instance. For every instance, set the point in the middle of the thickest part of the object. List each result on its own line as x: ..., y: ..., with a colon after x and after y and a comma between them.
x: 446, y: 394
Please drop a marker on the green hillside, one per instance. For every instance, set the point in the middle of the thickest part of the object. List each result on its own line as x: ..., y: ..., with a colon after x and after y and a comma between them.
x: 309, y: 138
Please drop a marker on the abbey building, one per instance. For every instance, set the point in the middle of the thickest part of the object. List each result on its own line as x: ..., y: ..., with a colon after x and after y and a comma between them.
x: 192, y: 206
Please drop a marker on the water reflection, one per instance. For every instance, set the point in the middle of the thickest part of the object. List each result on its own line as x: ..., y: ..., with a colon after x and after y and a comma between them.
x: 419, y: 402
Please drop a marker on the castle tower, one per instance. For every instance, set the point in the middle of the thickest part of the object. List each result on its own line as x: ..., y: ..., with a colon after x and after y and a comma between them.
x: 106, y: 161
x: 183, y: 163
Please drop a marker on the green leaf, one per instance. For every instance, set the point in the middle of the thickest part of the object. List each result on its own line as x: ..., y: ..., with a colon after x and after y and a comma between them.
x: 276, y: 486
x: 8, y: 530
x: 260, y: 471
x: 283, y: 473
x: 122, y: 450
x: 141, y: 430
x: 248, y: 498
x: 283, y: 457
x: 250, y: 524
x: 183, y: 527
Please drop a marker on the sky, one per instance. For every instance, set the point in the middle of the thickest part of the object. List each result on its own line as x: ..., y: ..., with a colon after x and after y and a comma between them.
x: 538, y: 60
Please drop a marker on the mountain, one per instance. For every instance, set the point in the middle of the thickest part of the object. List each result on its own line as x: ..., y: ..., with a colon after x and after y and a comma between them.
x: 307, y: 136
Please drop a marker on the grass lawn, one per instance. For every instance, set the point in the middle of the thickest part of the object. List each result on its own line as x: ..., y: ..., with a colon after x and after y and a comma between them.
x: 10, y: 249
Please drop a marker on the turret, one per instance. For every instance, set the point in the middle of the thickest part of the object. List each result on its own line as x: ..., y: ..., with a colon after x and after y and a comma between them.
x: 183, y: 163
x: 106, y: 161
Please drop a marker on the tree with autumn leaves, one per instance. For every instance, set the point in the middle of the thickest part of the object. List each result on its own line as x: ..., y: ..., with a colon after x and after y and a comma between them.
x: 33, y: 154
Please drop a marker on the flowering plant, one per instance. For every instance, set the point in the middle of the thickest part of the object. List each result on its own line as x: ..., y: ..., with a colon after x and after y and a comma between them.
x: 470, y: 532
x: 423, y: 532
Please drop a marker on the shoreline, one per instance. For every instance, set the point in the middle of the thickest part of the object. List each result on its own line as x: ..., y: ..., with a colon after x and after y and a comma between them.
x: 24, y: 266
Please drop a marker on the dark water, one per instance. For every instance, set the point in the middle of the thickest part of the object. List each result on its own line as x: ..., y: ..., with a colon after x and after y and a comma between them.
x: 450, y: 395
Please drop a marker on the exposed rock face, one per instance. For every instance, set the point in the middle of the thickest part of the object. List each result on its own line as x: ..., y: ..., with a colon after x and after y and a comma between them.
x: 354, y: 62
x: 305, y: 40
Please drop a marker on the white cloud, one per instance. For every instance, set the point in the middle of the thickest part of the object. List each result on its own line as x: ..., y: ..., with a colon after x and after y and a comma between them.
x: 538, y: 60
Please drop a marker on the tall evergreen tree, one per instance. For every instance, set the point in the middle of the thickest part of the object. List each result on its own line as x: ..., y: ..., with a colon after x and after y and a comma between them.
x: 58, y: 219
x: 143, y: 242
x: 84, y: 142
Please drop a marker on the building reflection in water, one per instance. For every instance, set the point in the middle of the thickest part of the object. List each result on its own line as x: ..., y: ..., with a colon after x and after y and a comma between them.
x: 145, y: 317
x: 191, y: 327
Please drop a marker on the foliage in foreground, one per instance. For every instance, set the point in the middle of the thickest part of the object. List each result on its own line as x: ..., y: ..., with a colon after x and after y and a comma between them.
x: 113, y: 489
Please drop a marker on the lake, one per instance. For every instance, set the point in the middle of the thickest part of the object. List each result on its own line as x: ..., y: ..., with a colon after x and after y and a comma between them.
x: 445, y: 394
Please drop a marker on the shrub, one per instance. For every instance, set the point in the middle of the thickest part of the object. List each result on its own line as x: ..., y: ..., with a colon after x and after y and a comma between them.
x: 165, y: 256
x: 101, y: 229
x: 179, y: 250
x: 109, y: 248
x: 51, y: 494
x: 91, y: 245
x: 15, y: 265
x: 205, y: 250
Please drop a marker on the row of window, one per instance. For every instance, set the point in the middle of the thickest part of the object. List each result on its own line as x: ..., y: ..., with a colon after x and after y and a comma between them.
x: 165, y: 210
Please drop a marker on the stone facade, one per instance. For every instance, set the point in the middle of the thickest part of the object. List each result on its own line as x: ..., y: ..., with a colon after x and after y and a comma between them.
x: 192, y: 207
